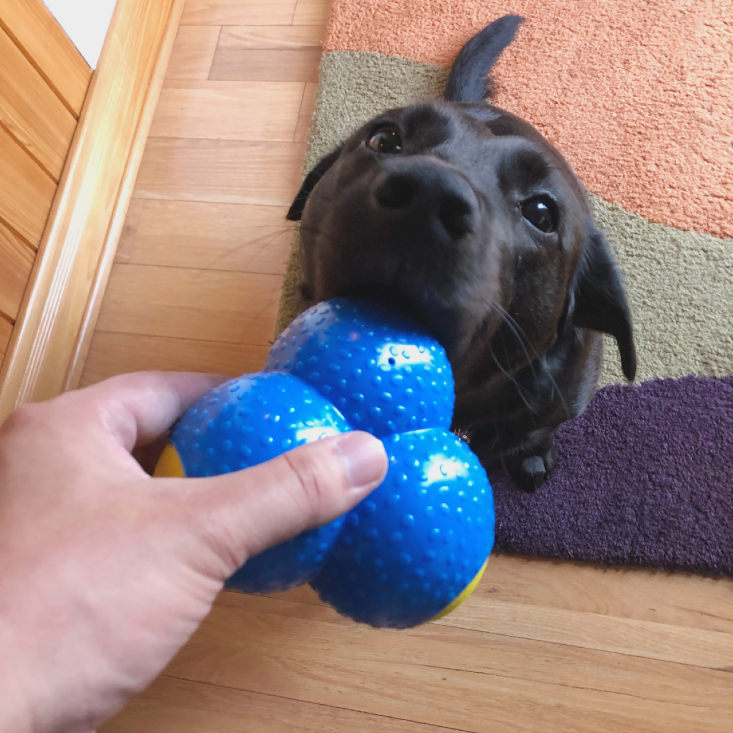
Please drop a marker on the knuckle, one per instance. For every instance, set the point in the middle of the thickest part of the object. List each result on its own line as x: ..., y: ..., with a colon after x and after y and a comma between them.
x: 311, y: 482
x: 135, y: 381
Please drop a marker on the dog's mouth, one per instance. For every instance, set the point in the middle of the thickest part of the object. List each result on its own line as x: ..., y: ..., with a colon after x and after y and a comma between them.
x: 409, y: 297
x: 391, y: 296
x: 434, y: 292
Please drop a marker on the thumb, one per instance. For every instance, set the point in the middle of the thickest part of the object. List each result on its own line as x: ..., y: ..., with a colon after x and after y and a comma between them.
x: 245, y: 512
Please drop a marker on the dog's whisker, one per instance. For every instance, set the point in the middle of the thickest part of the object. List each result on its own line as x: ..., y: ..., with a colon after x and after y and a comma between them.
x: 513, y: 381
x: 518, y: 332
x: 539, y: 359
x: 265, y: 239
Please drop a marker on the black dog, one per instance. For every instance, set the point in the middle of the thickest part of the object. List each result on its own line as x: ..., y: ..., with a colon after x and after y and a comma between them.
x: 464, y: 216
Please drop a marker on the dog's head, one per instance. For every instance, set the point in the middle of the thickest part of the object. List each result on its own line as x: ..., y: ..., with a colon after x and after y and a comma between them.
x: 466, y: 217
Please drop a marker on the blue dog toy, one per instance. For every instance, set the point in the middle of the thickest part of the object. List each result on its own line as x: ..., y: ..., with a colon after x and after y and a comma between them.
x: 417, y: 546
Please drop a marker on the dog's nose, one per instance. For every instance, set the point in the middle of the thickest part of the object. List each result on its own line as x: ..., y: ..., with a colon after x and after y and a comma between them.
x: 428, y: 192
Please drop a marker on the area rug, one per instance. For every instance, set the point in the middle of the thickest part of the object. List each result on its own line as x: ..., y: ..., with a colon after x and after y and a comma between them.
x: 638, y: 96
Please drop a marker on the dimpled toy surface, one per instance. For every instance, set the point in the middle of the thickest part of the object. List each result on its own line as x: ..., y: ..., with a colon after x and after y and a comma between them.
x: 384, y: 373
x: 248, y: 421
x: 416, y: 547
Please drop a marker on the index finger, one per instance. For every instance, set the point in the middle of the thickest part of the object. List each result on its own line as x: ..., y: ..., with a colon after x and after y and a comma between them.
x: 137, y: 408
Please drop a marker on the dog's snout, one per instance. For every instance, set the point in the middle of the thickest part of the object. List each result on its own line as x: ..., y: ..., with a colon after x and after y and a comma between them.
x: 456, y: 214
x: 428, y: 192
x: 396, y: 191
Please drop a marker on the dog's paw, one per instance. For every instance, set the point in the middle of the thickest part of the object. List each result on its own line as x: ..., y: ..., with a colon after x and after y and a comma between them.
x: 530, y: 471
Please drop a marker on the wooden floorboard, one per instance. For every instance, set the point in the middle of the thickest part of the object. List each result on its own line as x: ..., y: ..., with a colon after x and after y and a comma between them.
x: 470, y: 679
x: 306, y: 112
x: 244, y: 110
x: 208, y: 305
x: 119, y: 353
x: 540, y: 646
x: 239, y: 12
x: 172, y: 705
x: 311, y: 12
x: 224, y: 171
x: 669, y: 599
x: 210, y: 236
x: 193, y: 52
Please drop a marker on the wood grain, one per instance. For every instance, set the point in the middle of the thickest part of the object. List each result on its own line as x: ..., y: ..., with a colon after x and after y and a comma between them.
x: 49, y: 49
x: 675, y: 599
x: 670, y: 599
x: 312, y: 12
x: 465, y: 679
x: 223, y: 171
x: 693, y: 643
x: 160, y: 43
x: 119, y: 353
x: 16, y: 261
x: 193, y: 52
x: 233, y: 237
x: 266, y: 38
x: 26, y: 191
x: 288, y: 64
x: 96, y: 185
x: 179, y: 706
x: 6, y: 331
x: 31, y: 111
x: 712, y: 649
x: 682, y: 629
x: 208, y: 305
x: 268, y: 54
x: 228, y: 110
x: 238, y: 12
x: 307, y: 107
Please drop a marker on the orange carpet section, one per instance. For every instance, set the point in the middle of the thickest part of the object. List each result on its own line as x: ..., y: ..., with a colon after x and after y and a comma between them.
x: 638, y: 95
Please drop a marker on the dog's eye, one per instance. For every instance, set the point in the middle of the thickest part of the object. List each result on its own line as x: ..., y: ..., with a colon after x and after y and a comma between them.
x: 387, y: 140
x: 540, y: 212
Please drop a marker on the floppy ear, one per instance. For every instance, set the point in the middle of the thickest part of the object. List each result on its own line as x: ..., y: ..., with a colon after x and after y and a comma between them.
x: 296, y: 209
x: 598, y: 300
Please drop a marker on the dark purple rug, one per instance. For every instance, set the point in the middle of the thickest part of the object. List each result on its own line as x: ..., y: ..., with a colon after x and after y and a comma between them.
x: 643, y: 477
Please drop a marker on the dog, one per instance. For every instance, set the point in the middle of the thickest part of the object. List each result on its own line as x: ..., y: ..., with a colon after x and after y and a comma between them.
x: 463, y: 216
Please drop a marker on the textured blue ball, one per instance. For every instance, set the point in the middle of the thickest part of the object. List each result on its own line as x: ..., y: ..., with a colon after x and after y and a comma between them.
x: 414, y: 546
x: 383, y: 372
x: 248, y: 421
x: 418, y: 540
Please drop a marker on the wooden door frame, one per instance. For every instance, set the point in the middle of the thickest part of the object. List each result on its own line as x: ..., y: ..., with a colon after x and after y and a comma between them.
x: 51, y: 337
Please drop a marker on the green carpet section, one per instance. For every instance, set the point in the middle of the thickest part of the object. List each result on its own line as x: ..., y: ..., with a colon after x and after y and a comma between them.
x: 680, y: 289
x: 679, y: 283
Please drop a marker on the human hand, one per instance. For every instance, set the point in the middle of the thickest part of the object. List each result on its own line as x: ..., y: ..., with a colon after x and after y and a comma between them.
x: 105, y: 572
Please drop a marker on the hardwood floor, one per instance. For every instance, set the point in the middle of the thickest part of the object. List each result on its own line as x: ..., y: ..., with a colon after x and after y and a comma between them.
x: 205, y: 241
x: 541, y: 646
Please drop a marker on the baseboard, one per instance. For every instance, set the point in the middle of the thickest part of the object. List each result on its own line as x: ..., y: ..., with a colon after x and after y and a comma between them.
x: 53, y: 330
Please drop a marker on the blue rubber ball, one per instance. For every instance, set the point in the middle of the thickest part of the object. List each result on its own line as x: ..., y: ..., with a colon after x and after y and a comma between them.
x: 383, y: 372
x: 248, y: 421
x: 411, y: 548
x: 417, y: 546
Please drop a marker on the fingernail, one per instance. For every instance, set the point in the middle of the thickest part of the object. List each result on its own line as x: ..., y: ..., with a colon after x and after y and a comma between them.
x: 364, y: 458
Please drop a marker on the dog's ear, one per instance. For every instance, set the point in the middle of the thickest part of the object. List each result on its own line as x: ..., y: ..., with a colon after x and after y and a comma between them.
x: 597, y: 300
x: 296, y: 209
x: 468, y: 81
